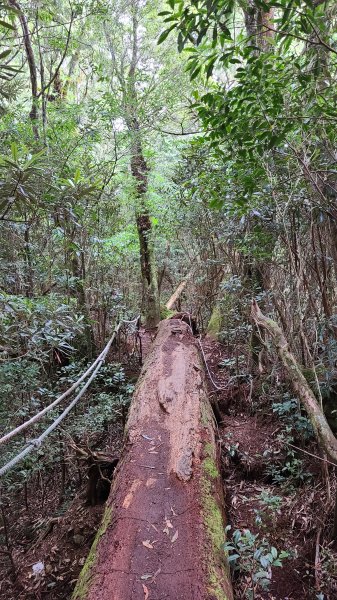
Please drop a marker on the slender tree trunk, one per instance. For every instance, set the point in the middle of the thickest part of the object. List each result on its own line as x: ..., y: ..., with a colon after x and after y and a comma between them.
x: 258, y: 25
x: 321, y: 427
x: 139, y: 169
x: 33, y: 115
x: 29, y: 284
x: 170, y: 305
x: 257, y: 22
x: 78, y: 275
x: 250, y: 16
x: 300, y: 386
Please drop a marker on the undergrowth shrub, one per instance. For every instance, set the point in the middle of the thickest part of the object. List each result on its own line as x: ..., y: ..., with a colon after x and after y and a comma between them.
x: 254, y: 557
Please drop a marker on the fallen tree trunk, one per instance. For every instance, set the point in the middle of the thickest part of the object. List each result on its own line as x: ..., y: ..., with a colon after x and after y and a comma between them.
x: 179, y: 290
x: 162, y: 534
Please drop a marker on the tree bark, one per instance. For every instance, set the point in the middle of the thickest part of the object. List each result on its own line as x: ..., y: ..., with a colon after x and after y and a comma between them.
x: 163, y: 530
x: 257, y: 22
x: 29, y: 279
x: 258, y: 25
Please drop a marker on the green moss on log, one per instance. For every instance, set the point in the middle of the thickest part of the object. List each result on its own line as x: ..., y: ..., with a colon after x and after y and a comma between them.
x: 215, y: 322
x: 208, y: 464
x: 166, y: 313
x: 82, y: 586
x: 217, y: 566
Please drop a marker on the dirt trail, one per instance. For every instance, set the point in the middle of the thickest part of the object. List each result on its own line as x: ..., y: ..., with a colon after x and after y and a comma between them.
x: 162, y: 534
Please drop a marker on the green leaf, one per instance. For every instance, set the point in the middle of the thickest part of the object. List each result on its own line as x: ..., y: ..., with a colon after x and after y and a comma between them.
x: 165, y: 34
x: 14, y: 151
x: 5, y: 53
x: 180, y: 42
x: 195, y: 73
x: 210, y: 67
x: 233, y: 557
x: 264, y: 562
x: 201, y: 35
x: 7, y: 25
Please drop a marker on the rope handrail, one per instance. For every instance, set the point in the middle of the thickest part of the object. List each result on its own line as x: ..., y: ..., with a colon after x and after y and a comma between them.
x: 65, y: 394
x: 36, y: 443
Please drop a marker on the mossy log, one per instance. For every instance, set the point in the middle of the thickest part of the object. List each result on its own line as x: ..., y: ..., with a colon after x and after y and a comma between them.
x: 162, y: 534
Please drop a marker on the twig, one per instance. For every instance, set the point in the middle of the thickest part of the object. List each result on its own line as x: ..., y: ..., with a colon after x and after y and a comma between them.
x: 318, y: 562
x: 325, y: 460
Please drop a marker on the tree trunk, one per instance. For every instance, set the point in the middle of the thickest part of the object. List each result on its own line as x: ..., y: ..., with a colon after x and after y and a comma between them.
x: 29, y: 280
x: 33, y: 115
x: 253, y: 279
x: 162, y: 534
x: 321, y: 427
x: 139, y: 169
x: 78, y: 274
x: 257, y: 23
x: 325, y: 436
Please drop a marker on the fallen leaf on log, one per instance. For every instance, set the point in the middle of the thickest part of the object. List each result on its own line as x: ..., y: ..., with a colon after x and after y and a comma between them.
x: 168, y: 526
x: 174, y: 537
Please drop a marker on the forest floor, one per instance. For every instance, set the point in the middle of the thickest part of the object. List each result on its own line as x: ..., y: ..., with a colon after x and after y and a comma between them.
x: 293, y: 514
x: 58, y: 536
x: 289, y: 515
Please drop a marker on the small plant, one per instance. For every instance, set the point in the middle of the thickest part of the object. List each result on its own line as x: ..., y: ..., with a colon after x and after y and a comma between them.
x: 287, y: 470
x: 289, y: 412
x: 231, y: 447
x: 270, y: 509
x: 254, y: 557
